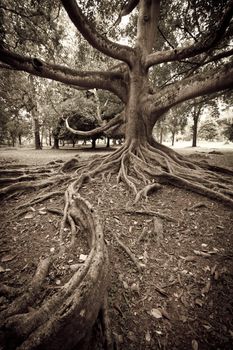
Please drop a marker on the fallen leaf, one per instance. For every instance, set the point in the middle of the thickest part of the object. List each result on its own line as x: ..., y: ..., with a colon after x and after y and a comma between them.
x: 82, y: 257
x: 125, y: 284
x: 135, y: 287
x: 194, y: 344
x: 190, y: 258
x: 29, y: 216
x: 147, y: 336
x: 201, y: 253
x: 206, y: 289
x: 2, y: 269
x: 207, y: 327
x: 32, y: 209
x: 75, y: 267
x: 213, y: 269
x: 42, y: 212
x: 156, y: 313
x: 7, y: 258
x: 199, y: 302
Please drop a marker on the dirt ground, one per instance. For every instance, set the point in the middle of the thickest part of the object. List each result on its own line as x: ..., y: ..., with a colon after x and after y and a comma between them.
x: 178, y: 294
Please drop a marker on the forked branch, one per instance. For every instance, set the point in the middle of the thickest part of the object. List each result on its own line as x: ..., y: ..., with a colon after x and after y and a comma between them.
x: 116, y: 121
x: 209, y: 41
x: 98, y: 41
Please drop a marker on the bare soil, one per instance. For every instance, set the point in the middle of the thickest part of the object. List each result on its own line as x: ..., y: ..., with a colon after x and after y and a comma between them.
x: 177, y: 294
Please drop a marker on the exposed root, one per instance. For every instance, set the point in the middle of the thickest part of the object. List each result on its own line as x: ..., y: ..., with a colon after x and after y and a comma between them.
x: 144, y: 192
x: 72, y: 311
x: 22, y: 302
x: 41, y: 198
x: 73, y: 308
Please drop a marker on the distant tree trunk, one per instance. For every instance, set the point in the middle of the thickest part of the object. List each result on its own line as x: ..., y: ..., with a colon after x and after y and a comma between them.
x: 196, y: 115
x: 93, y: 142
x: 50, y: 138
x: 13, y: 141
x: 20, y: 139
x: 194, y: 143
x: 73, y: 143
x: 37, y: 133
x: 55, y: 142
x: 108, y: 142
x: 42, y: 138
x: 173, y: 138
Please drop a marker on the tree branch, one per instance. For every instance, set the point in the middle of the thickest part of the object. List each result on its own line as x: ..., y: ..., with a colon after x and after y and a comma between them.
x: 209, y: 40
x: 116, y: 121
x: 189, y: 88
x: 111, y: 81
x: 95, y: 39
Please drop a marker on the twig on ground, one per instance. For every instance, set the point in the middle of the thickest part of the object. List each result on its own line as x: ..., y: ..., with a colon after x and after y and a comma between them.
x: 150, y: 213
x: 129, y: 253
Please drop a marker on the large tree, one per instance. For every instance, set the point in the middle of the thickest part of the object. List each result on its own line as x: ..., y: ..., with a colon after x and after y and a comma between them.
x: 141, y: 163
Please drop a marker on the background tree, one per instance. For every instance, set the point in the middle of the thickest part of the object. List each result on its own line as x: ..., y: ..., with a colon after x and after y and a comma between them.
x: 209, y: 130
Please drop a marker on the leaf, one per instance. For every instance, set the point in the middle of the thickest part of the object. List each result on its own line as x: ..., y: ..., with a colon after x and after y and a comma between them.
x: 147, y: 336
x: 199, y: 302
x: 42, y: 212
x: 29, y: 216
x: 206, y: 289
x: 194, y: 344
x: 4, y: 270
x: 7, y: 258
x: 190, y: 258
x: 200, y: 253
x: 156, y: 313
x: 82, y: 257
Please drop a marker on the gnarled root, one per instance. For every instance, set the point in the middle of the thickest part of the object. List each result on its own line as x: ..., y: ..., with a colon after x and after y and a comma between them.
x: 72, y: 310
x: 63, y: 321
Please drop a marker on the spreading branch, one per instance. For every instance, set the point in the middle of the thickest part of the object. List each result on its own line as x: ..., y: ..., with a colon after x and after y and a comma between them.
x: 95, y: 39
x: 189, y: 88
x: 209, y: 41
x: 111, y: 81
x: 116, y: 121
